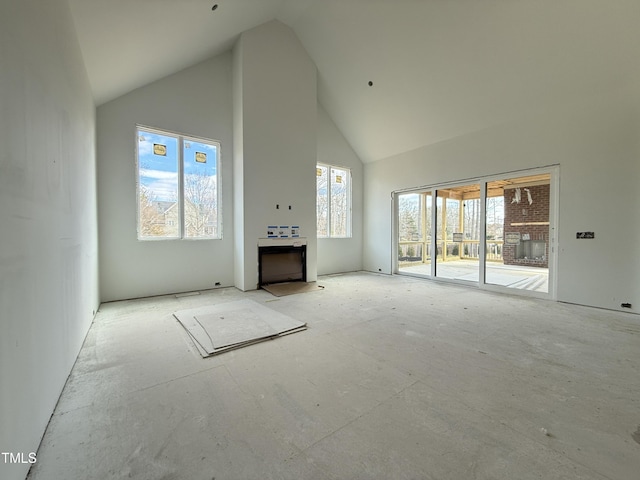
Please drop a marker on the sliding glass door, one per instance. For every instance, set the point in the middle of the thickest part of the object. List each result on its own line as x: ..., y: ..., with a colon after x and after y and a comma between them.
x: 458, y: 233
x: 497, y: 232
x: 518, y: 240
x: 414, y: 232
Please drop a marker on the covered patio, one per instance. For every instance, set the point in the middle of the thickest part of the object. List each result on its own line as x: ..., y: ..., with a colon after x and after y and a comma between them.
x: 450, y: 224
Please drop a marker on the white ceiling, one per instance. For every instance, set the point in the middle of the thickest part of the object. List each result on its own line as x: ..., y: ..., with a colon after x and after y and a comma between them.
x: 440, y: 68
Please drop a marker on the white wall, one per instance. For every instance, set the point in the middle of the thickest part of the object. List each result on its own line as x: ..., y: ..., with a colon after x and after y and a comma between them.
x: 48, y: 245
x: 340, y: 254
x: 195, y: 101
x: 595, y: 142
x: 265, y: 93
x: 278, y: 115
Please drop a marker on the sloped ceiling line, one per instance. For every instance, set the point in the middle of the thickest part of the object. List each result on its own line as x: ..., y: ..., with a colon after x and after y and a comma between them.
x: 440, y: 69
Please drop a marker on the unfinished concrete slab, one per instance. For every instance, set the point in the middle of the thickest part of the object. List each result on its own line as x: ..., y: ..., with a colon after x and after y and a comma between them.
x: 397, y: 377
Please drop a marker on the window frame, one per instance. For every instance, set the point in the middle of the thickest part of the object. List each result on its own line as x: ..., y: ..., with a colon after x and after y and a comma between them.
x: 348, y: 207
x: 181, y: 139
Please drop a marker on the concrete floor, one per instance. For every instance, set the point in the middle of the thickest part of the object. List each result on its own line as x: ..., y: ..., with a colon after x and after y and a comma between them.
x: 396, y: 378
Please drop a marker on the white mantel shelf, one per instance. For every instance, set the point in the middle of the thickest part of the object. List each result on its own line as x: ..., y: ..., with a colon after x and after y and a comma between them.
x: 285, y: 242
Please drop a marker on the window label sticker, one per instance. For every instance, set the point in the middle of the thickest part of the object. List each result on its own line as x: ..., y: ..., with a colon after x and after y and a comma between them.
x: 159, y: 149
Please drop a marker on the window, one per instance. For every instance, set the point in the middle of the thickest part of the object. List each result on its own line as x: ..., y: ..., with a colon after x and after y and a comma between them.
x: 333, y: 204
x: 177, y: 186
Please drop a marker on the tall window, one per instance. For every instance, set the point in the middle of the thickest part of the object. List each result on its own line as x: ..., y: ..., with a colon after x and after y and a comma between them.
x: 333, y: 205
x: 177, y: 186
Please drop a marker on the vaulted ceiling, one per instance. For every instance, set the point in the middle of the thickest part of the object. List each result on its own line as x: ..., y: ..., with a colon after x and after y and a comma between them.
x: 439, y: 68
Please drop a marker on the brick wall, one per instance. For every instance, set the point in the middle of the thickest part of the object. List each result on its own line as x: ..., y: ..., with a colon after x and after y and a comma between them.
x: 524, y: 213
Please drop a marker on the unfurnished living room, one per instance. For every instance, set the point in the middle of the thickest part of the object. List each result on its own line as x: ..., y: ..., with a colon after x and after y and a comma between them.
x: 319, y: 239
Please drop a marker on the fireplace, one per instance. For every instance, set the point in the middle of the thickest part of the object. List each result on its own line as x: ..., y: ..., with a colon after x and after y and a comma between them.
x: 531, y: 250
x: 279, y: 263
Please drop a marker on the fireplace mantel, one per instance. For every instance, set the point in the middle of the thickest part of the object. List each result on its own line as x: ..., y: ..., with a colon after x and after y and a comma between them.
x: 284, y: 242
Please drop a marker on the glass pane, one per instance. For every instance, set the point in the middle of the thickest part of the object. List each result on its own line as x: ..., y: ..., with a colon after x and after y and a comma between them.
x: 414, y: 233
x: 158, y: 212
x: 458, y: 233
x: 517, y: 224
x: 340, y: 207
x: 322, y: 203
x: 200, y: 189
x: 470, y: 248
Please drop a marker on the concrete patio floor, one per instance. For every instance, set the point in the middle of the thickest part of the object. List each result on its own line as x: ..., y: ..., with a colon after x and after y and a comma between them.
x: 396, y: 378
x: 513, y: 276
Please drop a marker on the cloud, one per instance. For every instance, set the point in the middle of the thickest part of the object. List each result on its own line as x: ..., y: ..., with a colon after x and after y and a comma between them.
x: 159, y: 174
x: 162, y: 185
x: 162, y: 190
x: 145, y: 148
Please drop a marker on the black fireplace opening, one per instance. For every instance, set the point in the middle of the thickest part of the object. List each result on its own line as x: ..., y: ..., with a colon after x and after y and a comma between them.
x: 282, y: 263
x: 531, y: 250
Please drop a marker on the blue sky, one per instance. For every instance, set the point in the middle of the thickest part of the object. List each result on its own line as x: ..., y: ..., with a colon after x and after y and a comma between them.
x: 159, y: 173
x: 190, y: 164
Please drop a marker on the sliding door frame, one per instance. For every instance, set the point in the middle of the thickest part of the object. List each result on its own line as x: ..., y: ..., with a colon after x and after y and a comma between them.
x: 552, y: 170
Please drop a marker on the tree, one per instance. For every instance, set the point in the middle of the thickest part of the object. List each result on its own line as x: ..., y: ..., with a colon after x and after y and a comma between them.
x: 339, y: 207
x: 152, y: 223
x: 408, y: 217
x: 200, y: 205
x: 495, y: 217
x: 322, y: 202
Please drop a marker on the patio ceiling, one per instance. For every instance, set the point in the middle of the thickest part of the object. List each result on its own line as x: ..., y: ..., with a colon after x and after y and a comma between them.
x: 495, y: 188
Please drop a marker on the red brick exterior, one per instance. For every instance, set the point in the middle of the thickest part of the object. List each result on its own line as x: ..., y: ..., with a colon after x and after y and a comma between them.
x: 522, y: 212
